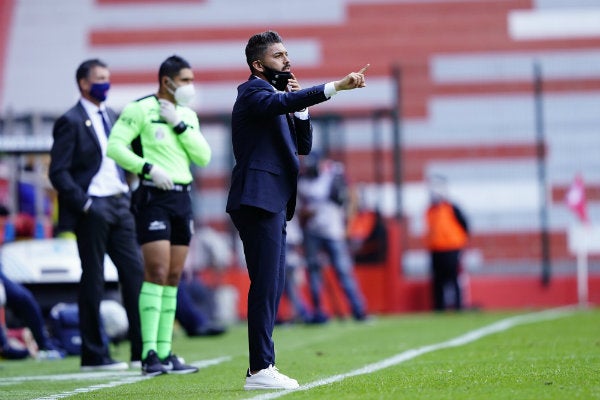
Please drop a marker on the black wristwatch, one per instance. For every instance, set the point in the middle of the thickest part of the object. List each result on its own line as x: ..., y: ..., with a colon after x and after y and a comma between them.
x: 180, y: 128
x: 146, y: 168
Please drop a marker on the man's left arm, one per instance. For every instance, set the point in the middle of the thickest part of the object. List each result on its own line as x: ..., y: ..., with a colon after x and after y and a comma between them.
x: 304, y: 133
x: 193, y: 142
x: 460, y: 217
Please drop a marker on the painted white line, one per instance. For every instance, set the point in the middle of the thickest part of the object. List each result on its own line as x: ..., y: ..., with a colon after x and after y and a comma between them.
x: 93, y: 388
x: 127, y: 377
x: 468, y: 337
x: 100, y: 374
x: 70, y: 377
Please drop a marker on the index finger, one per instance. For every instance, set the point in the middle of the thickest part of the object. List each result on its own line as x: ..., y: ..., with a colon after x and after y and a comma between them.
x: 364, y: 69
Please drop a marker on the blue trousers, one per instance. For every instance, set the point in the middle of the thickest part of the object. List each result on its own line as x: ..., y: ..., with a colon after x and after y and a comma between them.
x: 263, y: 236
x: 187, y: 313
x: 339, y: 255
x: 25, y: 307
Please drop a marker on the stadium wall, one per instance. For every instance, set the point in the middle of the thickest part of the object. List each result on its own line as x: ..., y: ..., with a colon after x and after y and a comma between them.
x: 467, y: 101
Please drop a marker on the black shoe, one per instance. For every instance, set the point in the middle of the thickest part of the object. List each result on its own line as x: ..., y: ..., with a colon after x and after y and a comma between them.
x: 210, y: 330
x: 151, y: 365
x: 318, y: 318
x: 106, y: 364
x: 175, y: 365
x: 361, y: 317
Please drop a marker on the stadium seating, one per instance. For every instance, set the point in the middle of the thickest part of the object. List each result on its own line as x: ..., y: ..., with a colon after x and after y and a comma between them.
x: 466, y: 91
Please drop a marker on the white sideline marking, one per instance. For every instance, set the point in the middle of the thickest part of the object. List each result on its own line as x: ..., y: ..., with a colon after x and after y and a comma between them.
x: 66, y: 377
x: 127, y: 377
x: 468, y: 337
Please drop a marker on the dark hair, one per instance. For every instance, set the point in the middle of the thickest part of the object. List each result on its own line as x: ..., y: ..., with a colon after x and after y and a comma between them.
x: 171, y: 67
x: 85, y: 67
x: 258, y: 45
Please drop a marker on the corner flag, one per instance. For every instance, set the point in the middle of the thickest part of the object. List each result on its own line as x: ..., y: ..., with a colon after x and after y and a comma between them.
x: 575, y: 199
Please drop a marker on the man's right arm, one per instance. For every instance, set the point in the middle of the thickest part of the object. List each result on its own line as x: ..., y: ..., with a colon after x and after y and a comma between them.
x: 125, y: 130
x: 61, y: 159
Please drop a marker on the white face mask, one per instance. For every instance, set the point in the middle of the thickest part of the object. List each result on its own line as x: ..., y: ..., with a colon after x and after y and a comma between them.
x: 184, y: 94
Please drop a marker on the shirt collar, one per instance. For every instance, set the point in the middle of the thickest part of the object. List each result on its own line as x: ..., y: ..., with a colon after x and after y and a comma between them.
x: 90, y: 107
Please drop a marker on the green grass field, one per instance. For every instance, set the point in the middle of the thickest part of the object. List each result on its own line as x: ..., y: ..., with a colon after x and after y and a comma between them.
x: 553, y: 354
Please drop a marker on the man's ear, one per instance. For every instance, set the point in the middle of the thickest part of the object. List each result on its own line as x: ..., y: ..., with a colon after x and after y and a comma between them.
x: 258, y: 66
x: 84, y: 86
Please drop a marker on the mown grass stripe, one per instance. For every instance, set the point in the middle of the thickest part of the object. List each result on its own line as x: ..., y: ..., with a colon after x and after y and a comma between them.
x: 129, y: 378
x: 461, y: 340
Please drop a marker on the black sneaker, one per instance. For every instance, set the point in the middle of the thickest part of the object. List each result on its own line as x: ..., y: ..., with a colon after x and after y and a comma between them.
x: 151, y: 365
x: 175, y: 365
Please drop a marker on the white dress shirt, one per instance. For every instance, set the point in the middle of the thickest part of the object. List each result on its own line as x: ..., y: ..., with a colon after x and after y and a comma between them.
x: 107, y: 181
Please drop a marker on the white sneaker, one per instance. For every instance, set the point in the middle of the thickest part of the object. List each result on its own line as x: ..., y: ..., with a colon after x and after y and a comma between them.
x: 269, y: 378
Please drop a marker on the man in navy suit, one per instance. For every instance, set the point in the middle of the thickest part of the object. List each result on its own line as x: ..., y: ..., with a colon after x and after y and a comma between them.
x: 270, y: 128
x: 93, y: 200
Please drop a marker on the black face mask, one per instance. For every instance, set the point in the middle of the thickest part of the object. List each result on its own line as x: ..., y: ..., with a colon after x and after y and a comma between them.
x: 279, y: 79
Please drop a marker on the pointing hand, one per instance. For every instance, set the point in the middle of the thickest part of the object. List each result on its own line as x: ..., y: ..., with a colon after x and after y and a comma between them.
x: 353, y: 80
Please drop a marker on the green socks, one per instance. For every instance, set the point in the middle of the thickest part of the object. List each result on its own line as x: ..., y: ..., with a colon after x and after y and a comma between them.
x: 157, y: 316
x: 150, y: 304
x: 166, y: 322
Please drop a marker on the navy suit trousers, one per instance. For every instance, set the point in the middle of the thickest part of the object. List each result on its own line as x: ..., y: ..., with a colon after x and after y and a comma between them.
x: 263, y: 236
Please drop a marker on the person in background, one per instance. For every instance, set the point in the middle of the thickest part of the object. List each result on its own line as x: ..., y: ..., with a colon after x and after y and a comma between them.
x: 322, y: 191
x: 270, y: 128
x: 7, y: 350
x: 21, y: 302
x: 158, y: 137
x: 294, y: 265
x: 447, y: 234
x: 199, y: 311
x: 194, y: 303
x: 94, y: 201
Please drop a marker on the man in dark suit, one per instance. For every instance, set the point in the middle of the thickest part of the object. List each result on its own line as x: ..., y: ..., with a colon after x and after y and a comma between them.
x: 93, y: 199
x: 266, y: 142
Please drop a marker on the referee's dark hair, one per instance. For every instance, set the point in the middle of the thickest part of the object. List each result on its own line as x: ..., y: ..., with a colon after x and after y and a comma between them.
x: 171, y: 67
x: 83, y: 71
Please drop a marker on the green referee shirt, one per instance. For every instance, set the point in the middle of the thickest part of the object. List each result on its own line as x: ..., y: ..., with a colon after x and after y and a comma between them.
x: 141, y: 136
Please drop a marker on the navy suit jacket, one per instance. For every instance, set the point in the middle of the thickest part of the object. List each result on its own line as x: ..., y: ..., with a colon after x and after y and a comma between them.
x: 75, y: 159
x: 266, y: 144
